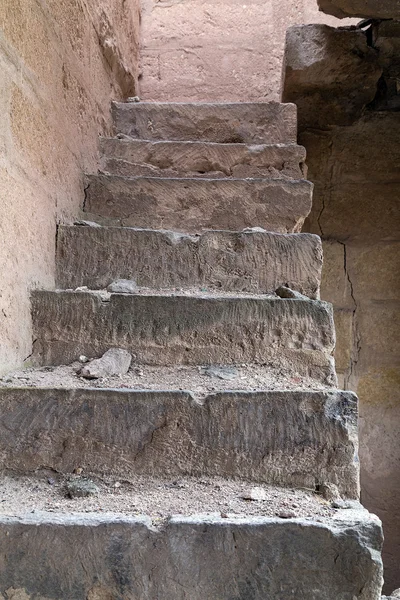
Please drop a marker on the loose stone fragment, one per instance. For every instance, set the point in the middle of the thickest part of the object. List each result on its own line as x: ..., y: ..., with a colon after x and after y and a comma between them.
x: 395, y: 594
x: 81, y: 488
x: 123, y: 286
x: 255, y: 494
x: 226, y: 373
x: 254, y: 230
x: 87, y: 223
x: 285, y: 292
x: 286, y: 515
x: 115, y: 361
x: 346, y: 504
x: 330, y: 492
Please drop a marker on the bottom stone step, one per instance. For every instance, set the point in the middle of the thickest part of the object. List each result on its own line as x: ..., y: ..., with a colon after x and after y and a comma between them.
x: 115, y: 557
x: 292, y: 438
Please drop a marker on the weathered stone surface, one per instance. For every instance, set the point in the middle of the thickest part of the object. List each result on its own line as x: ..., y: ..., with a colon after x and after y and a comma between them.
x: 379, y: 390
x: 299, y: 439
x: 330, y: 73
x: 360, y: 212
x: 297, y: 335
x: 374, y: 9
x: 344, y: 324
x: 379, y: 322
x: 335, y: 279
x: 191, y: 205
x: 286, y: 292
x: 248, y: 123
x: 192, y: 557
x: 383, y: 259
x: 115, y: 361
x: 133, y: 158
x: 122, y: 286
x: 356, y: 207
x: 250, y: 261
x: 201, y: 51
x: 81, y: 488
x: 55, y: 93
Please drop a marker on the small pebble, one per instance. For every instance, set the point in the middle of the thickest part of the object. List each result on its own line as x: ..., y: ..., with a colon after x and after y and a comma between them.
x: 81, y: 488
x: 255, y: 494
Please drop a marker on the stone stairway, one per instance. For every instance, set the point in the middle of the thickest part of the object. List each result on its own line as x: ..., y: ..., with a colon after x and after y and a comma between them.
x: 232, y: 382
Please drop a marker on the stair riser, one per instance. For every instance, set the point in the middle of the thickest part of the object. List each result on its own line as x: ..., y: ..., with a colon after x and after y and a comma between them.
x: 190, y: 205
x: 262, y: 123
x: 96, y: 557
x: 295, y: 439
x: 191, y: 159
x: 298, y: 336
x: 247, y: 261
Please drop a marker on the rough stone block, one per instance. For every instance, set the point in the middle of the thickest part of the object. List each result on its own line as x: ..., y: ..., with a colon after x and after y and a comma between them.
x: 365, y: 9
x: 289, y: 438
x: 330, y: 73
x: 191, y: 205
x: 115, y: 361
x: 133, y: 158
x: 249, y: 261
x: 248, y: 123
x: 297, y: 335
x: 191, y: 557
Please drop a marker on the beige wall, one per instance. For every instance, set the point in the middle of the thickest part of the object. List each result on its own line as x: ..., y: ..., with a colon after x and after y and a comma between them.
x: 61, y: 64
x: 218, y: 49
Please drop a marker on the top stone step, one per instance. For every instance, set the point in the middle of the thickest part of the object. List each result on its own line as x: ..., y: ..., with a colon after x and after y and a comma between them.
x: 248, y: 123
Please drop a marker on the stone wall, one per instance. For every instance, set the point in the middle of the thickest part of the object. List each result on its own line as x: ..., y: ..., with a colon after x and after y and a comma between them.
x: 344, y: 84
x: 61, y: 64
x: 218, y: 49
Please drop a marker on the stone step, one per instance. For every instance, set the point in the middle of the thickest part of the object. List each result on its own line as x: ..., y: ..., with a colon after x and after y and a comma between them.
x: 135, y: 158
x: 297, y: 335
x: 298, y: 439
x: 191, y: 205
x: 247, y: 123
x: 103, y: 556
x: 249, y: 261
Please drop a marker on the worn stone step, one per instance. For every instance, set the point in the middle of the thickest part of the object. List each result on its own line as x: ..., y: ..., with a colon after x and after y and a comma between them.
x: 199, y: 557
x: 297, y: 335
x: 248, y: 123
x: 250, y: 261
x: 290, y: 438
x: 191, y: 205
x: 133, y: 158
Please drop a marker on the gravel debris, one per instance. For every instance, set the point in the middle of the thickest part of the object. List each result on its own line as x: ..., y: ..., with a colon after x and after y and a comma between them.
x: 157, y: 497
x: 143, y: 377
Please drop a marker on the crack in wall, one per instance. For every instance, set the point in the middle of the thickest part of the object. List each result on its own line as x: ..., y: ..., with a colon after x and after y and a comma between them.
x: 356, y: 338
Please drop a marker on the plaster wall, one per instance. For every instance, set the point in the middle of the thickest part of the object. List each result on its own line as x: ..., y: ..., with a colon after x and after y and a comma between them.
x: 61, y: 64
x: 218, y: 50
